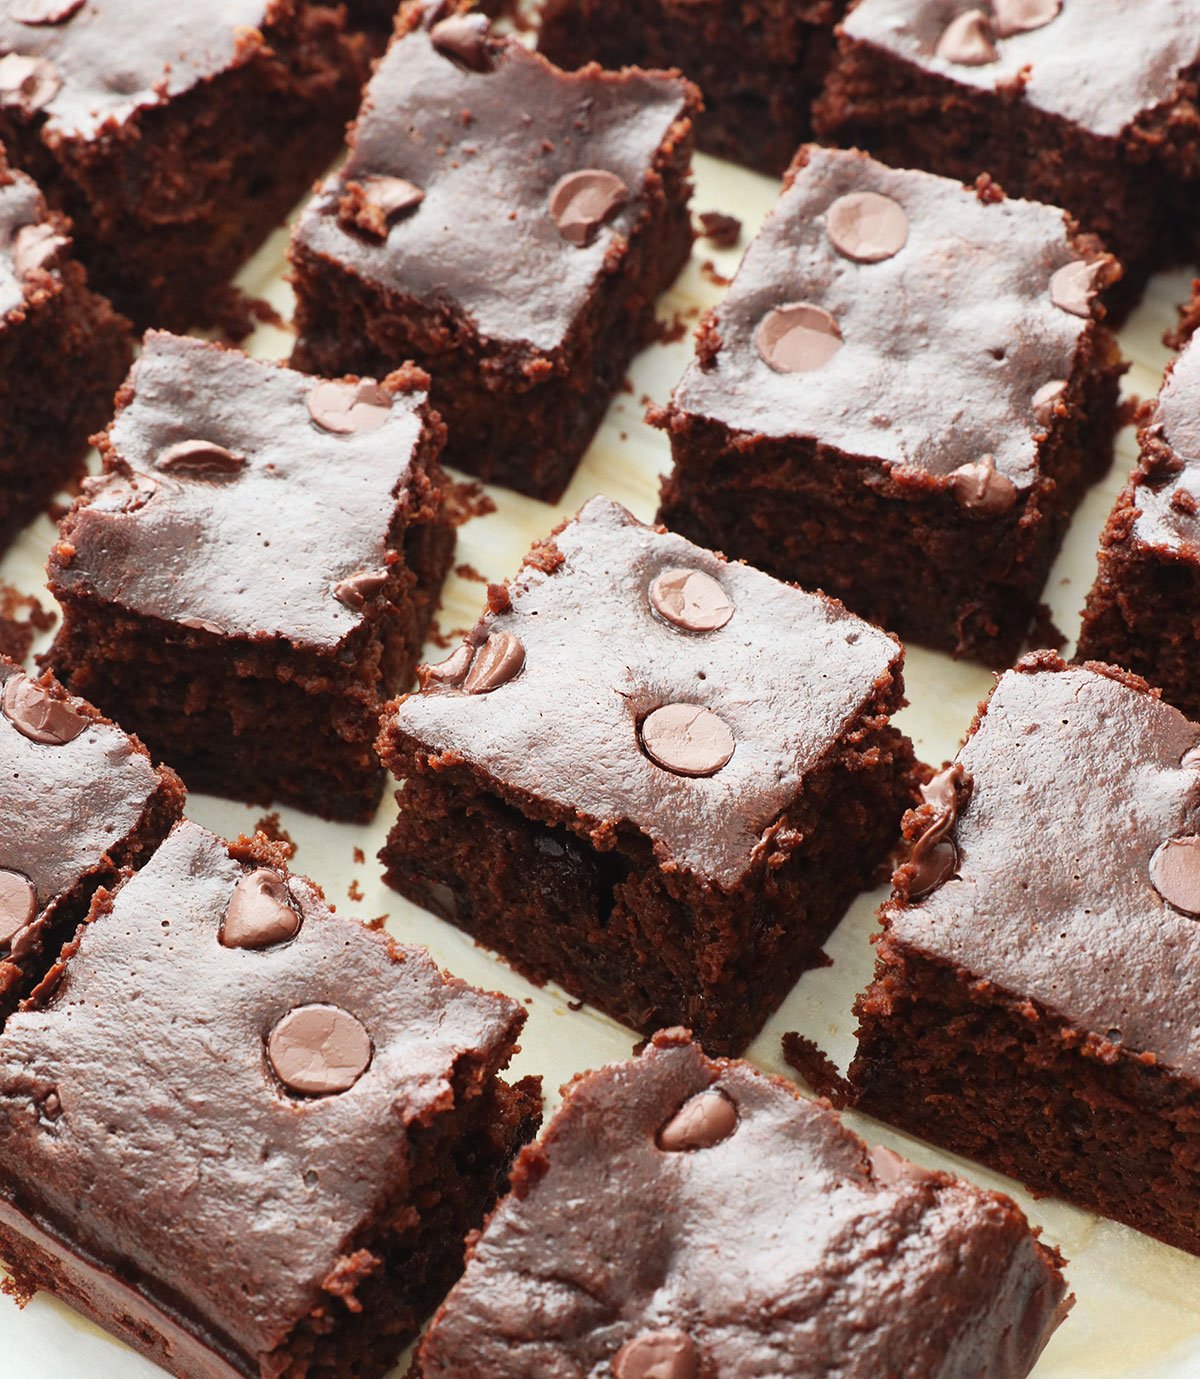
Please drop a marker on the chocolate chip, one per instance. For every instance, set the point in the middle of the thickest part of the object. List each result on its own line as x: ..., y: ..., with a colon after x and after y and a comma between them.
x: 704, y: 1120
x: 1074, y: 286
x: 18, y: 904
x: 38, y: 715
x: 259, y: 913
x: 967, y: 40
x: 349, y: 409
x: 582, y: 202
x: 1190, y: 758
x: 373, y: 203
x: 355, y: 591
x: 691, y: 600
x: 495, y: 663
x: 463, y: 38
x: 934, y: 856
x: 980, y: 487
x: 200, y: 460
x: 1018, y: 16
x: 29, y: 83
x: 317, y: 1050
x: 1175, y: 873
x: 35, y: 12
x: 36, y: 246
x: 657, y: 1355
x: 867, y: 226
x: 451, y: 671
x: 119, y: 493
x: 1046, y: 400
x: 797, y: 338
x: 687, y: 740
x: 722, y: 231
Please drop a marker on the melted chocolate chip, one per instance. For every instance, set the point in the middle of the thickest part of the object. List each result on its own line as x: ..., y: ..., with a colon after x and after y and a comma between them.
x: 35, y: 247
x: 374, y: 203
x: 29, y: 83
x: 355, y: 591
x: 463, y: 38
x: 347, y: 409
x: 1175, y: 873
x: 687, y: 740
x: 690, y: 600
x: 119, y: 493
x: 1074, y: 286
x: 38, y: 715
x: 1046, y: 400
x: 934, y: 857
x: 967, y: 40
x: 259, y: 912
x: 703, y: 1121
x: 38, y: 12
x: 318, y: 1050
x: 18, y: 904
x: 582, y: 202
x: 200, y: 459
x: 657, y: 1355
x: 1019, y: 16
x: 867, y: 226
x: 451, y: 671
x: 797, y: 338
x: 980, y: 487
x: 495, y: 663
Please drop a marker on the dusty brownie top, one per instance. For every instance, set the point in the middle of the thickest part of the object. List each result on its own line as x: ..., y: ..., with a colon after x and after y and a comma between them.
x: 29, y: 243
x: 482, y: 133
x: 701, y: 1214
x: 640, y: 680
x: 1167, y: 481
x: 81, y: 63
x: 217, y: 1099
x: 1064, y: 890
x: 896, y: 316
x: 1097, y: 63
x: 241, y: 497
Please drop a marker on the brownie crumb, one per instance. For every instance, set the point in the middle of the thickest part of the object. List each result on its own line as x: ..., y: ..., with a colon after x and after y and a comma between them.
x: 721, y: 230
x: 22, y: 617
x: 669, y: 332
x: 271, y: 827
x: 360, y: 857
x: 708, y: 271
x: 988, y: 190
x: 466, y: 571
x: 466, y: 500
x: 574, y: 1005
x: 817, y: 1069
x: 1044, y: 632
x: 376, y: 924
x: 355, y: 892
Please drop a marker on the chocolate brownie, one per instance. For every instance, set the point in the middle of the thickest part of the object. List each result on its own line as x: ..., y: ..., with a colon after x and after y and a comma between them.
x: 256, y: 570
x: 760, y: 66
x: 1035, y: 994
x: 245, y: 1135
x: 63, y: 352
x: 901, y: 400
x: 683, y: 1217
x: 82, y: 802
x: 506, y: 225
x: 1087, y: 104
x: 176, y: 136
x: 652, y: 776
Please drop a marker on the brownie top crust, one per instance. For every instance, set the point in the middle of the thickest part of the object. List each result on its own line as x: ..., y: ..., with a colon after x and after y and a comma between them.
x: 1167, y: 480
x: 1098, y: 63
x: 701, y: 1214
x: 900, y: 317
x: 243, y: 498
x: 217, y: 1102
x: 29, y: 242
x: 1074, y: 879
x: 484, y: 181
x: 634, y: 680
x: 79, y: 64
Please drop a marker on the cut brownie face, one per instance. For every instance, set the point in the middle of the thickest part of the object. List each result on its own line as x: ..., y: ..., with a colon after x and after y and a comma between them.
x: 1038, y: 977
x: 247, y: 1136
x: 506, y: 225
x: 1087, y: 104
x: 651, y: 776
x: 905, y: 371
x: 684, y: 1217
x: 760, y: 66
x: 81, y: 802
x: 63, y: 353
x: 256, y: 571
x: 176, y: 136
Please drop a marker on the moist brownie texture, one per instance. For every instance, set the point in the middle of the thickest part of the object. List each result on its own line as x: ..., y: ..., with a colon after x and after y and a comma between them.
x: 651, y: 776
x: 1144, y: 610
x: 767, y: 1240
x: 1088, y: 104
x: 901, y: 400
x: 177, y: 136
x: 63, y: 352
x: 81, y: 803
x: 760, y: 66
x: 1038, y: 975
x: 506, y: 225
x: 247, y: 1136
x: 256, y: 570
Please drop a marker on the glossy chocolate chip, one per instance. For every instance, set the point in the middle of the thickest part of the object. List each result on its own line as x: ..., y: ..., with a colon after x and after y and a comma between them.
x: 1175, y: 873
x: 582, y: 202
x: 980, y: 487
x: 495, y: 663
x: 690, y: 600
x: 319, y: 1050
x: 657, y: 1355
x: 38, y: 715
x: 701, y: 1122
x: 1018, y: 16
x: 797, y: 338
x: 1075, y: 286
x: 867, y: 226
x: 38, y: 12
x: 355, y: 591
x: 967, y: 40
x: 451, y: 671
x: 36, y: 247
x: 260, y: 912
x: 463, y: 38
x: 29, y: 83
x: 1046, y: 400
x: 687, y: 740
x: 374, y: 203
x: 934, y: 856
x: 119, y: 493
x: 18, y: 904
x: 347, y: 409
x: 200, y: 459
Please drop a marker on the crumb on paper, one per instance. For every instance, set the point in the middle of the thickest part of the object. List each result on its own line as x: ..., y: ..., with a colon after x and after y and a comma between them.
x: 359, y: 856
x: 376, y: 924
x: 22, y: 617
x: 722, y: 231
x: 709, y: 270
x: 466, y: 500
x: 671, y: 331
x: 465, y: 571
x: 355, y: 891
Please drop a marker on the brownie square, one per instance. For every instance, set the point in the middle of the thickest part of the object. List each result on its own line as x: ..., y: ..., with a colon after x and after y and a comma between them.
x: 1090, y: 106
x: 901, y: 400
x: 256, y: 570
x: 759, y: 66
x: 685, y: 1217
x: 247, y: 1136
x: 82, y: 803
x: 176, y: 136
x: 506, y: 225
x: 652, y: 776
x: 1036, y: 983
x: 63, y: 352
